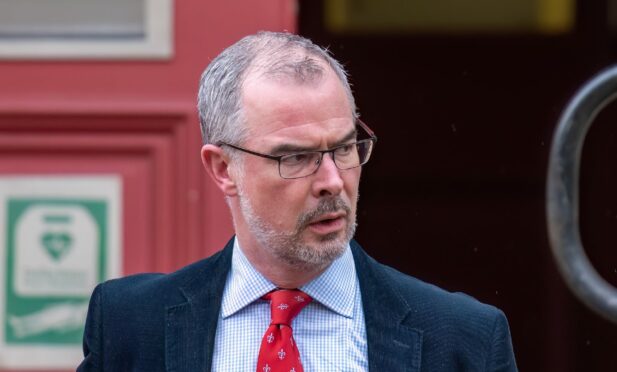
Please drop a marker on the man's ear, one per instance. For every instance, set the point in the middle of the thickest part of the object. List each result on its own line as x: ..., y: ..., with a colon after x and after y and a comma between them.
x: 217, y: 163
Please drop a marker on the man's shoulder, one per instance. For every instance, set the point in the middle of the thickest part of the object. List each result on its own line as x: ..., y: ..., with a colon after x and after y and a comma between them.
x: 439, y: 306
x: 455, y: 328
x: 158, y: 287
x: 135, y: 311
x: 427, y: 301
x: 415, y: 290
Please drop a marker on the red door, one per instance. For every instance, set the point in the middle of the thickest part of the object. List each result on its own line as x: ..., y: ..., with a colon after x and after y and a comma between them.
x: 133, y: 119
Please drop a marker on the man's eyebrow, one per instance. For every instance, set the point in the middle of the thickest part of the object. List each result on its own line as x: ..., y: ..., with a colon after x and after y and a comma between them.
x: 288, y: 148
x: 351, y: 135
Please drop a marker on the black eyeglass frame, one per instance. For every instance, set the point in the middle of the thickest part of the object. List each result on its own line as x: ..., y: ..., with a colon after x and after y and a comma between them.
x: 369, y: 131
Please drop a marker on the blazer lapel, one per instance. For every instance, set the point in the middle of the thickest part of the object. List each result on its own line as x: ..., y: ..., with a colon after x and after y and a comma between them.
x: 393, y: 344
x: 190, y: 325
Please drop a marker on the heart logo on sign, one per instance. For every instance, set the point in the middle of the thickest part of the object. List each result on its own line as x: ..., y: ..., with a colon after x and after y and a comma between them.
x: 57, y: 244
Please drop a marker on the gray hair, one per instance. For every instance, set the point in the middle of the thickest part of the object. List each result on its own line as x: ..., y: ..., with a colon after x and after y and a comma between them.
x: 271, y: 53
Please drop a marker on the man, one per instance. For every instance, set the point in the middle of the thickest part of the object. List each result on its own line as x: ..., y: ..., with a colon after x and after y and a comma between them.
x: 283, y: 143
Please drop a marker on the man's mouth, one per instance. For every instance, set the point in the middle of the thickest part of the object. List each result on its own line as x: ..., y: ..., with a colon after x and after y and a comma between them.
x: 328, y: 223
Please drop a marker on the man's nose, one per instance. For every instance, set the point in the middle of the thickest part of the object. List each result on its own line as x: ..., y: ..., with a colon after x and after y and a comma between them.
x: 328, y: 180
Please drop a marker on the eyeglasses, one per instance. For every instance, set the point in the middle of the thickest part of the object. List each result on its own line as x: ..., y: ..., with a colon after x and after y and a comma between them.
x: 306, y: 163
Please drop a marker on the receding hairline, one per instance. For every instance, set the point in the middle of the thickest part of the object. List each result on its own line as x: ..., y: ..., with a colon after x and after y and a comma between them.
x: 276, y: 55
x: 299, y: 67
x: 310, y: 70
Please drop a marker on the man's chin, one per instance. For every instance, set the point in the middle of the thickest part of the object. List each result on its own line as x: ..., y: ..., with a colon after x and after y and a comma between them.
x: 317, y: 254
x: 326, y: 242
x: 331, y: 237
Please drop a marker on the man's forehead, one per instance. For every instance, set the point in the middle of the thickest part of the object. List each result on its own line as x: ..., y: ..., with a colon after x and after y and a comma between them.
x: 282, y: 145
x: 332, y: 126
x: 305, y: 136
x: 308, y: 115
x: 267, y: 97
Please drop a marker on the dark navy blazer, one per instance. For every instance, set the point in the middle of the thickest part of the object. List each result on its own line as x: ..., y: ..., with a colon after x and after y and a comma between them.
x: 157, y: 322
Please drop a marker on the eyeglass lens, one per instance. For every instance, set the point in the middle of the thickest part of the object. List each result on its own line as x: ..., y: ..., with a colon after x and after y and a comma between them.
x: 345, y: 157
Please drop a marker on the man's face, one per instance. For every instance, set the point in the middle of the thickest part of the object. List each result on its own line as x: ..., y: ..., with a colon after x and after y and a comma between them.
x: 305, y: 222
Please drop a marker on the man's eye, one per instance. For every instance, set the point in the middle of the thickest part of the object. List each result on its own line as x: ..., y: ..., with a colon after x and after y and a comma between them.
x: 345, y: 149
x: 295, y: 159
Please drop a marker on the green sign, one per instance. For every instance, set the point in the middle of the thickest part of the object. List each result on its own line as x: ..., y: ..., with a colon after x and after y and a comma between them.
x: 60, y: 235
x: 56, y: 253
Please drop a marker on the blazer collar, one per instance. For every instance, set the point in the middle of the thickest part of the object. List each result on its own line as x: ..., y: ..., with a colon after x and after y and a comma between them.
x: 190, y: 325
x: 393, y: 343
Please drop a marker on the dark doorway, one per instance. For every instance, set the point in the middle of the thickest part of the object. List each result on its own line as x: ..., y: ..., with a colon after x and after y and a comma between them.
x: 455, y: 192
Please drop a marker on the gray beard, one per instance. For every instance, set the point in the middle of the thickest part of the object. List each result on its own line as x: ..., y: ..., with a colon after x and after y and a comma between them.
x: 288, y: 246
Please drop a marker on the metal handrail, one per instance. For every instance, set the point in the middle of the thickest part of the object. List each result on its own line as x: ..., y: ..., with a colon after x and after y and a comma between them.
x: 562, y: 195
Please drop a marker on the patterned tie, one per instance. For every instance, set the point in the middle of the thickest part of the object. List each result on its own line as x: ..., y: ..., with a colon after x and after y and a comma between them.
x: 278, y: 352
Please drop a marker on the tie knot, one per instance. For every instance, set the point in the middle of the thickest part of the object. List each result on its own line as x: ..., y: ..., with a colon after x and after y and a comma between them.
x: 285, y: 304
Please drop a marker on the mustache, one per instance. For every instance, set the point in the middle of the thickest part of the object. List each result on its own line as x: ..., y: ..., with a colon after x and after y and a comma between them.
x: 327, y: 205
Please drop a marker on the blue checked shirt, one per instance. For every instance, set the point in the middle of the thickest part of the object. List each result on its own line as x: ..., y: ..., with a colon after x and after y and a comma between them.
x: 329, y: 331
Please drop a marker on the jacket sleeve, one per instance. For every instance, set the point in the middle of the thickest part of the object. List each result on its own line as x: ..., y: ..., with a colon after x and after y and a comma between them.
x: 501, y: 357
x: 93, y: 335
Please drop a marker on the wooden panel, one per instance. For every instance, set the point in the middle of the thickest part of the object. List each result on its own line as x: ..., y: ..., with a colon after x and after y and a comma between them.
x: 155, y: 152
x: 136, y: 119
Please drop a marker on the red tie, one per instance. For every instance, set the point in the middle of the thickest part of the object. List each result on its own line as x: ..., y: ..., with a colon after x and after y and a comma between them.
x: 278, y: 352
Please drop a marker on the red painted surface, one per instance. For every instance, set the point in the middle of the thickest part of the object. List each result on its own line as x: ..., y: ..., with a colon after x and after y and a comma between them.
x: 136, y: 119
x: 137, y: 107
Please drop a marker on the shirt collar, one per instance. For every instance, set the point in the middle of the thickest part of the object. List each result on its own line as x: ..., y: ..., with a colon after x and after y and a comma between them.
x: 244, y: 284
x: 335, y: 288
